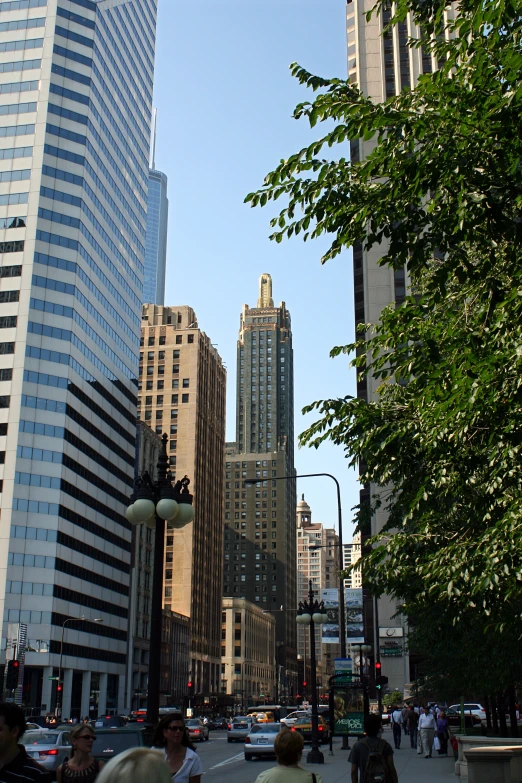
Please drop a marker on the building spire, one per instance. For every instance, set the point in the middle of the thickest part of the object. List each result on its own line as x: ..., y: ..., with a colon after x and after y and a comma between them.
x: 265, y: 291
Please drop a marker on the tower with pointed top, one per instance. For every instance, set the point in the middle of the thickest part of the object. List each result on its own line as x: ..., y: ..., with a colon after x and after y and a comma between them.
x: 260, y: 552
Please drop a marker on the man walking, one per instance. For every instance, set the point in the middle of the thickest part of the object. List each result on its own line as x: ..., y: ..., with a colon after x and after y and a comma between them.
x: 412, y: 720
x: 15, y: 764
x: 427, y: 732
x: 396, y: 719
x: 380, y: 750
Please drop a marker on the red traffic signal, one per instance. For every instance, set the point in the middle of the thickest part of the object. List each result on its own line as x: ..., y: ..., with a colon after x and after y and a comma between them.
x: 378, y: 667
x: 189, y: 684
x: 304, y: 684
x: 16, y: 664
x: 59, y: 688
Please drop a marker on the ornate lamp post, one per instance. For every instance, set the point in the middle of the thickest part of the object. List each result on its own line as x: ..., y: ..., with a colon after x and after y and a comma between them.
x: 312, y: 613
x: 157, y: 503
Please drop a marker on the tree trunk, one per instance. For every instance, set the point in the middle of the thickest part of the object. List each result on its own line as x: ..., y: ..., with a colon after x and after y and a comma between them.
x: 502, y: 715
x: 494, y: 717
x: 512, y: 710
x: 487, y: 708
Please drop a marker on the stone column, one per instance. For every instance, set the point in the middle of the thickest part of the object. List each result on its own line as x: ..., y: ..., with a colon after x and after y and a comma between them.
x: 67, y: 675
x: 47, y: 689
x: 86, y: 694
x: 102, y: 699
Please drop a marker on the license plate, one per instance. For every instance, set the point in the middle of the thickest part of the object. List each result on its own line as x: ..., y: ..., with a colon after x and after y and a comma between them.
x: 262, y: 741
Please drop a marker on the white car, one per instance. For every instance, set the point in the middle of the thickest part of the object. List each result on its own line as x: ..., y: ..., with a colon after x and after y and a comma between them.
x: 473, y: 709
x: 292, y: 717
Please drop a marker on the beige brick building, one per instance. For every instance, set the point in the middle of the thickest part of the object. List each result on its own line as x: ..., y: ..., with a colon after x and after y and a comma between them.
x: 182, y: 392
x: 248, y: 653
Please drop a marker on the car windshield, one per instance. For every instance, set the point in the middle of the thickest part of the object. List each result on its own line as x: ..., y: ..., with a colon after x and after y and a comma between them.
x: 111, y: 743
x: 303, y: 720
x: 268, y: 728
x: 41, y: 738
x: 192, y: 723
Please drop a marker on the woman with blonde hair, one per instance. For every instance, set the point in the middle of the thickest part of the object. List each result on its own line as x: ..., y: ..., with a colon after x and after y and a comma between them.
x: 172, y: 736
x: 288, y: 746
x: 136, y: 765
x: 81, y: 767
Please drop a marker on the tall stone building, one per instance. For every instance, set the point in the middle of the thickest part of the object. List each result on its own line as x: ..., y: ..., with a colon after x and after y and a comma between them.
x: 260, y: 553
x: 76, y: 83
x: 182, y: 392
x: 318, y: 561
x: 381, y: 66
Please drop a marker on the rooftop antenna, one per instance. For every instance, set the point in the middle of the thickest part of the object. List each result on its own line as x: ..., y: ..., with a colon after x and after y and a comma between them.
x: 154, y: 124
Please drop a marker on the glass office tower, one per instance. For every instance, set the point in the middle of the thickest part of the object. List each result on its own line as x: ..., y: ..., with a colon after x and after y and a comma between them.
x: 76, y: 82
x: 156, y: 239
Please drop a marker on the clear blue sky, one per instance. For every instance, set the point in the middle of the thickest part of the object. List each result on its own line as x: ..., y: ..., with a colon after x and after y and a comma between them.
x: 225, y: 99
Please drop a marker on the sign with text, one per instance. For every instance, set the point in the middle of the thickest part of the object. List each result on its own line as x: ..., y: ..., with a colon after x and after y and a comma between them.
x: 348, y: 711
x: 353, y: 601
x: 343, y: 668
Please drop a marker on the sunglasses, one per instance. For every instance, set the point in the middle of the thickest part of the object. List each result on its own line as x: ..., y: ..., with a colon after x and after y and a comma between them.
x: 175, y: 728
x: 86, y: 736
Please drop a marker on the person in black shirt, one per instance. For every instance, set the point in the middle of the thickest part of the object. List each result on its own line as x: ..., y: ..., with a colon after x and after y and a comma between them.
x: 15, y: 764
x: 371, y: 743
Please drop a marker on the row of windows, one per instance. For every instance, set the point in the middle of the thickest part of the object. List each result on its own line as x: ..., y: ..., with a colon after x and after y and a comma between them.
x: 6, y: 348
x: 30, y: 561
x: 69, y: 312
x: 16, y: 130
x: 20, y: 65
x: 56, y: 406
x: 26, y: 616
x: 89, y: 653
x: 15, y: 246
x: 127, y: 39
x: 63, y: 383
x: 13, y: 198
x: 90, y: 576
x: 16, y: 152
x: 18, y: 5
x: 72, y: 17
x: 22, y: 24
x: 16, y: 46
x: 53, y: 431
x: 18, y: 108
x: 69, y: 336
x: 9, y: 296
x: 8, y: 321
x: 91, y: 627
x: 70, y: 266
x: 89, y: 601
x: 76, y: 37
x: 15, y: 176
x: 17, y: 86
x: 58, y: 510
x: 92, y: 552
x: 28, y: 588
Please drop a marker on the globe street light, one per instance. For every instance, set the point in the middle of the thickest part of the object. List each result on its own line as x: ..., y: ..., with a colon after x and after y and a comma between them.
x: 156, y: 503
x: 312, y: 613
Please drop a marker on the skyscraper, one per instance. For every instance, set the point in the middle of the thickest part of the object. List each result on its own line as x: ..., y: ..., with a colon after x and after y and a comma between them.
x: 260, y: 551
x: 156, y: 238
x: 381, y: 65
x: 183, y: 393
x: 76, y: 82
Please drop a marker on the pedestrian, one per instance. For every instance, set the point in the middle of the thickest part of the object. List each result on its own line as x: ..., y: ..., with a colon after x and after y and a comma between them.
x: 288, y: 747
x: 80, y: 765
x: 396, y: 719
x: 172, y: 736
x: 413, y: 720
x: 136, y: 765
x: 405, y: 719
x: 427, y: 728
x: 15, y: 764
x: 374, y: 752
x: 443, y: 733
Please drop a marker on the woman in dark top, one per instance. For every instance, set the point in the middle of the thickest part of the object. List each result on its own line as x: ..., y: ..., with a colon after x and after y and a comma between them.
x: 81, y: 767
x: 443, y: 733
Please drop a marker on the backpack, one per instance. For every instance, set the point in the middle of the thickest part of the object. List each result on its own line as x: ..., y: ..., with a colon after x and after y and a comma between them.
x: 376, y: 770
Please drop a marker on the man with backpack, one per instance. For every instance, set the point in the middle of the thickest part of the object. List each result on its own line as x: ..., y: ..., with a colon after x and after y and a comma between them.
x: 372, y: 757
x: 396, y: 721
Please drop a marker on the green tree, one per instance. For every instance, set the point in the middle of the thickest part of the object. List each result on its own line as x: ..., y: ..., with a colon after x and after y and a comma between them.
x: 443, y: 187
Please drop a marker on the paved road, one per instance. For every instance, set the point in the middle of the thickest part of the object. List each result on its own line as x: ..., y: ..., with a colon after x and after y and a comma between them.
x: 225, y: 761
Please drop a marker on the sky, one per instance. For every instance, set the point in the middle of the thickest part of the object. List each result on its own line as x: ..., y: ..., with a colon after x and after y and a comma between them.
x: 225, y: 99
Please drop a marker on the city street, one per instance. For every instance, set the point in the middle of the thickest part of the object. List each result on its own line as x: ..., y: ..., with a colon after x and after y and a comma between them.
x: 221, y: 758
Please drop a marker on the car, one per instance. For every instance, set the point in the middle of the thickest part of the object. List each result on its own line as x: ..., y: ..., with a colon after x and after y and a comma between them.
x: 109, y: 721
x: 304, y: 726
x: 111, y: 741
x: 239, y: 728
x: 48, y: 747
x: 260, y: 740
x: 221, y: 723
x: 471, y: 709
x: 197, y: 730
x: 264, y: 717
x: 292, y: 717
x: 470, y: 720
x: 385, y: 718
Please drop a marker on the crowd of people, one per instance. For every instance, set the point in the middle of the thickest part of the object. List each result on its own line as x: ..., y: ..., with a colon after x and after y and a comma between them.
x: 427, y: 728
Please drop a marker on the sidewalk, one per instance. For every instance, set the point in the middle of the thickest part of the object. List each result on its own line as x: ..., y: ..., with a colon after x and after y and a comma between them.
x: 411, y: 767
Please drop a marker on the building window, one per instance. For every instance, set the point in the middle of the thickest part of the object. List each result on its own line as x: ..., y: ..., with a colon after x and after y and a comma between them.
x: 190, y: 338
x: 186, y: 383
x: 175, y: 369
x: 179, y: 339
x: 175, y: 354
x: 184, y: 398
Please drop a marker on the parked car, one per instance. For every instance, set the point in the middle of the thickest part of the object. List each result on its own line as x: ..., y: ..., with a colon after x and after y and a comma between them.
x: 240, y: 728
x: 49, y: 748
x: 292, y: 717
x: 260, y: 740
x: 470, y: 720
x: 109, y: 742
x: 304, y: 726
x: 109, y: 721
x: 35, y: 727
x: 385, y: 718
x: 471, y: 709
x: 197, y: 730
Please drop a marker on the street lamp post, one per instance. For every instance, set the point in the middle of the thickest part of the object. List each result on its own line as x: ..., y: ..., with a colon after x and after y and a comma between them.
x: 59, y: 690
x: 312, y: 613
x: 157, y: 503
x: 362, y: 648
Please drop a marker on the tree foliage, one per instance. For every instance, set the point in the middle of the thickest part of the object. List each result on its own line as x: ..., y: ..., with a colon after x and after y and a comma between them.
x: 442, y: 187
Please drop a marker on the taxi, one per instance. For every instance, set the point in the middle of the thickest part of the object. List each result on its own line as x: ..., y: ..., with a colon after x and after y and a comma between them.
x: 304, y: 726
x: 264, y: 717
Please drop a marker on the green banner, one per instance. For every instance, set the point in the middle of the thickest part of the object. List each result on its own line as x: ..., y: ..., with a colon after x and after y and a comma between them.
x: 352, y: 723
x: 348, y: 711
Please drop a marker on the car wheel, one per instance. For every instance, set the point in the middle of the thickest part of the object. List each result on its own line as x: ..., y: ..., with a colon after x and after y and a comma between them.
x: 229, y: 739
x: 207, y: 738
x: 248, y: 757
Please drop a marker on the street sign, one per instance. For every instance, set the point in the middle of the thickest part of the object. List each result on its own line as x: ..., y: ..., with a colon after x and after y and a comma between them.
x: 343, y: 671
x: 54, y: 678
x: 392, y: 652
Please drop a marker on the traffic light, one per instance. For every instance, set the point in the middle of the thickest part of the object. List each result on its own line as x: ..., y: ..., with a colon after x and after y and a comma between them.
x: 304, y: 683
x: 190, y: 688
x: 380, y: 680
x: 59, y: 687
x: 13, y: 668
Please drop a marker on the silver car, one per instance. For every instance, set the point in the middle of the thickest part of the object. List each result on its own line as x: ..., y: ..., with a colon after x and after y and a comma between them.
x: 260, y: 741
x: 197, y: 730
x: 239, y: 728
x: 48, y: 748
